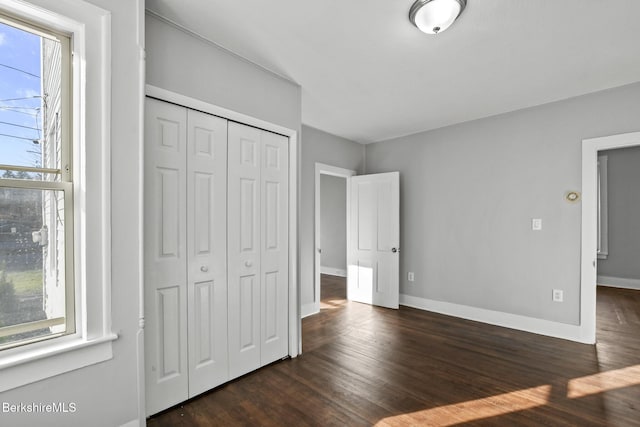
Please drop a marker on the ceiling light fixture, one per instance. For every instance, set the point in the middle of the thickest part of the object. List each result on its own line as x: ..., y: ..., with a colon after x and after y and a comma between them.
x: 435, y: 16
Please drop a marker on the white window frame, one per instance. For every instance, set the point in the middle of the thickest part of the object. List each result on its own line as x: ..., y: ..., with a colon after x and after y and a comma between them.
x: 90, y: 30
x: 64, y: 184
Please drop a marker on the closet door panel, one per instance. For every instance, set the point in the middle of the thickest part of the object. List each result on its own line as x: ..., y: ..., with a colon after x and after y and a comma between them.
x: 207, y: 247
x: 244, y: 263
x: 165, y: 257
x: 274, y: 253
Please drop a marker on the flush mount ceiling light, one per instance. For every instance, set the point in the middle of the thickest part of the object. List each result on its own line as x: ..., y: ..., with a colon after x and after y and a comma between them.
x: 435, y: 16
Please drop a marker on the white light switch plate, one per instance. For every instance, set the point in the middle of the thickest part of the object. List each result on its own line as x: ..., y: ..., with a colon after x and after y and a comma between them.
x: 536, y: 224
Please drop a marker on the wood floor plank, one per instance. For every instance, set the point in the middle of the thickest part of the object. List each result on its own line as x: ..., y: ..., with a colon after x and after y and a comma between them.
x: 364, y: 366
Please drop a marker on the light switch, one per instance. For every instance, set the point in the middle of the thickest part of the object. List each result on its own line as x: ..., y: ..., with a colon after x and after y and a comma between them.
x: 536, y: 224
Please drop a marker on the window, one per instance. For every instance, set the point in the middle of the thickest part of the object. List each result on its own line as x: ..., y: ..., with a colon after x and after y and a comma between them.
x: 55, y: 176
x: 36, y: 185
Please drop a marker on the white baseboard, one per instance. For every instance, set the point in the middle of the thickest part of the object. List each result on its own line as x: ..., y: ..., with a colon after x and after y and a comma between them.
x: 132, y: 423
x: 309, y: 309
x: 618, y: 282
x: 333, y: 271
x: 507, y: 320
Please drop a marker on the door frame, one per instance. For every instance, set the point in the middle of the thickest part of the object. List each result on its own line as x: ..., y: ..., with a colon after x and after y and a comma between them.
x: 324, y: 169
x: 590, y: 149
x: 294, y: 322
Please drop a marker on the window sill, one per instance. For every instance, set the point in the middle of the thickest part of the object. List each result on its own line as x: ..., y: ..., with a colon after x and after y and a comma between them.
x: 55, y: 358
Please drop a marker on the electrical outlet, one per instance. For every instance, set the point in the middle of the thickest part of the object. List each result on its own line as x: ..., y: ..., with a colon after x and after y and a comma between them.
x: 558, y: 295
x: 410, y: 276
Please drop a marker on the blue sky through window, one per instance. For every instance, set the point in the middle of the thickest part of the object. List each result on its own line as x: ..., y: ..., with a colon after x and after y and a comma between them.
x: 20, y: 97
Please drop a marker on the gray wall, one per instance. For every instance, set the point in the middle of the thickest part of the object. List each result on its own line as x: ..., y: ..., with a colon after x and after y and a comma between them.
x: 624, y: 213
x: 183, y: 63
x: 333, y: 222
x: 469, y: 192
x: 106, y: 394
x: 319, y: 147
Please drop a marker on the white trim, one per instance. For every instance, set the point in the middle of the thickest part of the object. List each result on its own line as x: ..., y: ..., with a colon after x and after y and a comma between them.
x: 309, y: 310
x: 323, y: 169
x: 51, y: 360
x: 140, y: 380
x: 295, y: 320
x: 196, y: 104
x: 331, y: 271
x: 90, y: 27
x: 618, y: 282
x: 603, y: 207
x: 590, y: 148
x: 506, y: 320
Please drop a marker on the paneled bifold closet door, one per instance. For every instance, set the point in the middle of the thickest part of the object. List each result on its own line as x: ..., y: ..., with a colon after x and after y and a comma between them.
x: 258, y: 247
x: 216, y: 251
x: 185, y: 253
x: 207, y: 249
x: 165, y: 263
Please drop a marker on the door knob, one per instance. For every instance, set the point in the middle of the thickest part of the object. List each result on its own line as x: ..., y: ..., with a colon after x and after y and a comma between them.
x: 248, y: 263
x: 394, y: 250
x: 204, y: 268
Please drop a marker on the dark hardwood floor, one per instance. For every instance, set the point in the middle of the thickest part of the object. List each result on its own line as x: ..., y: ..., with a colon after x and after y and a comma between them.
x: 365, y: 366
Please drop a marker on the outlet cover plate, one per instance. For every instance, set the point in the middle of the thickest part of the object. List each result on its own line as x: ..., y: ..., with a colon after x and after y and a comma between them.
x: 558, y: 295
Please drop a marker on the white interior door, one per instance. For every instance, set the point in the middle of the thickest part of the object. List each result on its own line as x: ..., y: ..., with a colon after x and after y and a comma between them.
x: 374, y: 234
x: 207, y: 248
x: 244, y: 159
x: 217, y: 251
x: 258, y: 248
x: 165, y: 256
x: 274, y: 244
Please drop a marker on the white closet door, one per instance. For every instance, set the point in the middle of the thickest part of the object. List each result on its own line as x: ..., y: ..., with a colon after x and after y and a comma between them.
x: 244, y: 248
x: 216, y: 251
x: 207, y: 248
x: 165, y: 255
x: 274, y: 253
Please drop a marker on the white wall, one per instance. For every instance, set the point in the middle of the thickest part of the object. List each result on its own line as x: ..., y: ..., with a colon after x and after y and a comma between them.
x: 106, y: 394
x: 624, y: 213
x: 469, y: 192
x: 333, y: 223
x: 319, y: 147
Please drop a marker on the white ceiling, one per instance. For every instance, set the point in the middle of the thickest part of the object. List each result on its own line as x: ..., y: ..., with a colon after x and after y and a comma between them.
x: 368, y: 74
